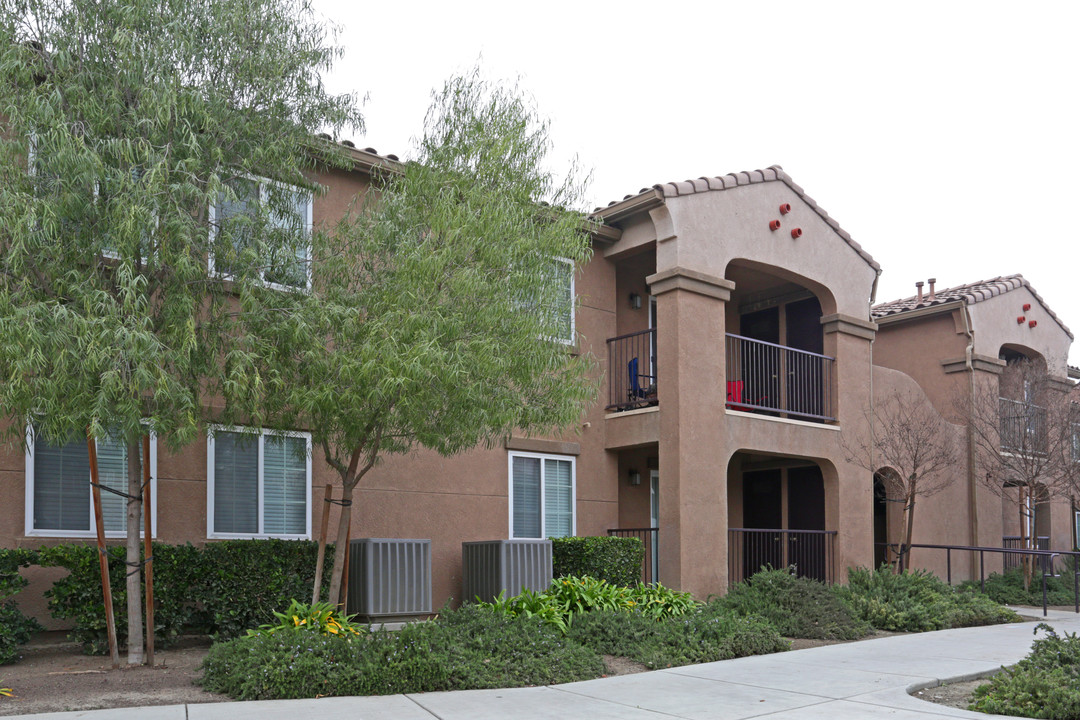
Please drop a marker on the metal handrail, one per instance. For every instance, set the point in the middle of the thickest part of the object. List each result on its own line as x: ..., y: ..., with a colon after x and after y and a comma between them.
x: 1047, y: 558
x: 781, y: 347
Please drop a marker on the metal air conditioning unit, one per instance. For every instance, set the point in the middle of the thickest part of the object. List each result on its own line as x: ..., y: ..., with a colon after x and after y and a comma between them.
x: 494, y: 566
x: 389, y: 576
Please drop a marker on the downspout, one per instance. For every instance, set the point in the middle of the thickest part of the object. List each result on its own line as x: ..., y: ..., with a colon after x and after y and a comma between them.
x: 973, y: 509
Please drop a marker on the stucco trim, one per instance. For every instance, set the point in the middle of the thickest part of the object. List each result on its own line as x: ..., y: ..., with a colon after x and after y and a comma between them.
x: 536, y: 445
x: 849, y: 325
x: 783, y: 421
x: 979, y: 362
x: 680, y: 278
x: 1063, y: 384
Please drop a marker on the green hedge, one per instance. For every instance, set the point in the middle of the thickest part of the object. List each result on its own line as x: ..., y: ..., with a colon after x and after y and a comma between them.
x: 222, y: 589
x: 1045, y: 684
x: 15, y: 628
x: 614, y: 559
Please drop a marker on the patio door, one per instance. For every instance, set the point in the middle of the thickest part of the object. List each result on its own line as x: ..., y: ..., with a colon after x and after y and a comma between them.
x: 806, y: 511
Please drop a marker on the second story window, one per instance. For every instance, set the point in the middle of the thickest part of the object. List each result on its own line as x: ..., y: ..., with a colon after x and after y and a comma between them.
x: 264, y: 228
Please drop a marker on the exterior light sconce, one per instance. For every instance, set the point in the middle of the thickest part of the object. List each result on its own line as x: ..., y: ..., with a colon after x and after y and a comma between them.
x: 633, y: 477
x: 796, y: 233
x: 1019, y: 319
x: 785, y: 208
x: 635, y: 301
x: 1032, y: 323
x: 774, y: 225
x: 1027, y: 306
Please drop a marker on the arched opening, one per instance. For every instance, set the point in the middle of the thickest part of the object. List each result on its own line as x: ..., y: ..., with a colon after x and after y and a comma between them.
x: 776, y: 358
x: 776, y: 516
x: 881, y: 521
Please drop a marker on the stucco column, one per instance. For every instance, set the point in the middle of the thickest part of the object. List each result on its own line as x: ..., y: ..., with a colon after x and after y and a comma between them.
x: 693, y: 448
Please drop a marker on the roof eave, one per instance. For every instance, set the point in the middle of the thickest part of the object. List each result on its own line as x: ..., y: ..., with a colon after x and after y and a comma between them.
x: 918, y: 312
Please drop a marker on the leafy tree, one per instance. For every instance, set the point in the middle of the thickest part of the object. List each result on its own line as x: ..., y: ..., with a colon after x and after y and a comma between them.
x: 439, y: 312
x: 124, y: 123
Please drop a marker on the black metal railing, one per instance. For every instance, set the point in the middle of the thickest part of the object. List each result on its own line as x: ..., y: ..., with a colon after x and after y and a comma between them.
x: 811, y: 553
x: 1011, y: 561
x: 1044, y: 559
x: 1023, y: 426
x: 649, y: 538
x: 632, y: 370
x: 766, y: 377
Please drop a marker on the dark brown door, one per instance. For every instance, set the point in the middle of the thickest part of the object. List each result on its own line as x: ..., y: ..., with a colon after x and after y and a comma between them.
x: 805, y: 390
x: 806, y: 511
x: 761, y: 363
x: 762, y: 510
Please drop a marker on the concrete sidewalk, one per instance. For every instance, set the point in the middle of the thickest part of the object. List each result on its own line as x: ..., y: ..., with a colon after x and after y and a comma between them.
x: 853, y: 680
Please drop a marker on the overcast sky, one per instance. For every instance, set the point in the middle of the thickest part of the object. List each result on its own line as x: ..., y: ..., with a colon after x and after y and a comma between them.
x: 941, y: 135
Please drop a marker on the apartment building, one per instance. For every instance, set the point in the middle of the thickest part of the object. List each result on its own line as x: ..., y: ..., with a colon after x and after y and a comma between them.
x: 736, y: 349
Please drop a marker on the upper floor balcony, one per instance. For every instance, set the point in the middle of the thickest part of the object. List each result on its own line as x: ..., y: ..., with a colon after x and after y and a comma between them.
x: 1022, y: 426
x: 762, y: 377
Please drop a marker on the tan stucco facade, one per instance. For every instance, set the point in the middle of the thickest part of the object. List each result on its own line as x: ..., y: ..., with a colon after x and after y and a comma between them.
x: 735, y: 443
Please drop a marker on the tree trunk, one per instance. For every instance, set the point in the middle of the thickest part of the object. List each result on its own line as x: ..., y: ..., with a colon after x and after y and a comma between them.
x: 910, y: 527
x: 342, y: 538
x: 1026, y: 507
x: 134, y: 571
x: 321, y: 558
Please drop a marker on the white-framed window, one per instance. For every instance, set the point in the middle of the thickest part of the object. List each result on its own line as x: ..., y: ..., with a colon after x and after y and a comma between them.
x: 288, y: 268
x: 258, y: 484
x: 58, y: 502
x: 543, y: 489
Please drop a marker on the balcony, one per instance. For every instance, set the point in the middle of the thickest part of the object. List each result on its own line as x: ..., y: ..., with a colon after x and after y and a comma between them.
x: 776, y: 379
x: 632, y: 371
x: 1023, y: 427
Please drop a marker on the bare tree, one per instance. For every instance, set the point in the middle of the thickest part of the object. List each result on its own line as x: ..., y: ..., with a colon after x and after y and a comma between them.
x: 910, y: 449
x: 1023, y: 435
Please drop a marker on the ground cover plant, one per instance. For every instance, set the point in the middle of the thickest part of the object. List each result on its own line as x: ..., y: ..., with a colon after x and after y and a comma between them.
x: 797, y: 607
x: 917, y: 601
x: 1045, y: 684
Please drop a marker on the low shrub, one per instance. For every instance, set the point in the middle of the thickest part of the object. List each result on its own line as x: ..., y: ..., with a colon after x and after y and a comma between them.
x: 1008, y: 588
x: 15, y: 628
x: 222, y: 589
x: 1045, y: 684
x: 917, y: 601
x: 469, y: 648
x: 705, y: 635
x: 614, y: 559
x: 796, y: 607
x: 317, y: 618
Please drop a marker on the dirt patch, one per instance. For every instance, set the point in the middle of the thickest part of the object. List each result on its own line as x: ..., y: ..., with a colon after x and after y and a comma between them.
x: 804, y: 643
x: 53, y: 676
x: 956, y: 695
x: 615, y: 665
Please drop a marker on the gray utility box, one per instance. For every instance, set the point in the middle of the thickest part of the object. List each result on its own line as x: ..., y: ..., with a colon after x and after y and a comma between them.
x: 490, y: 567
x: 389, y: 576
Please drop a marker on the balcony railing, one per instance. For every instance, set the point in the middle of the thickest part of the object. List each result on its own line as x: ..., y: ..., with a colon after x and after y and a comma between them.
x: 632, y: 371
x: 1023, y: 426
x: 1015, y: 542
x: 766, y: 377
x: 812, y: 553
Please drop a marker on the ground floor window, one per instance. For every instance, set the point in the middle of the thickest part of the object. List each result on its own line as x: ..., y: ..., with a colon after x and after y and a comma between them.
x: 58, y: 500
x: 542, y: 490
x: 259, y: 484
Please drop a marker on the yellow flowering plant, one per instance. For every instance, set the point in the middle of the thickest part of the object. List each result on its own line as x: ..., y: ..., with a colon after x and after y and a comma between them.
x: 321, y: 617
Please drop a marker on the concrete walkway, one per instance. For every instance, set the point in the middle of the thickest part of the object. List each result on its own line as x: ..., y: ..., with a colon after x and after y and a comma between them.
x: 853, y: 680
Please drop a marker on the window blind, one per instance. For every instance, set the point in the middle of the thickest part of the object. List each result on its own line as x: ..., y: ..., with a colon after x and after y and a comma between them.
x: 61, y: 486
x: 284, y: 485
x: 526, y: 480
x: 236, y: 483
x: 558, y: 498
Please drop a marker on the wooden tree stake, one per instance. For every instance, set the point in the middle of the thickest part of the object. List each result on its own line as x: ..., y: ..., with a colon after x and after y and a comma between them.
x: 106, y: 588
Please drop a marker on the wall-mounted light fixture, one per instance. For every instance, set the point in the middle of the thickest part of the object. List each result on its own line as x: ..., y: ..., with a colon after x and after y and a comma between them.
x: 635, y: 301
x: 633, y: 476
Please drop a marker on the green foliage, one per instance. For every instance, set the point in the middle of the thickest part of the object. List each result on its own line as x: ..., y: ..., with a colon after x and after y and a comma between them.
x: 569, y: 597
x: 15, y: 630
x: 796, y: 607
x: 917, y: 601
x: 462, y: 649
x: 224, y: 588
x: 614, y: 559
x: 1045, y: 684
x: 317, y: 618
x: 11, y: 560
x: 706, y: 635
x: 1008, y: 588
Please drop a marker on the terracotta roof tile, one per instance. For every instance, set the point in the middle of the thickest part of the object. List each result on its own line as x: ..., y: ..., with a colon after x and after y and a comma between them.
x: 969, y: 294
x: 770, y: 174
